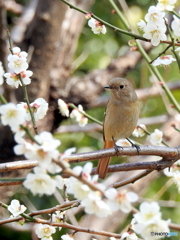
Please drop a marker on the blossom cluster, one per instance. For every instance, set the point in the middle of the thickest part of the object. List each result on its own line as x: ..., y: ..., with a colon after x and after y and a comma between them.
x: 155, y: 138
x: 16, y: 115
x: 45, y: 178
x: 103, y: 202
x: 154, y: 28
x: 77, y: 113
x: 18, y: 66
x: 96, y: 26
x: 148, y: 220
x: 42, y: 147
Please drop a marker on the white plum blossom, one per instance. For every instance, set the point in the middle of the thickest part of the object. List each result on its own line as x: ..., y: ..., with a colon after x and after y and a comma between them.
x: 18, y: 60
x: 58, y: 216
x: 13, y: 79
x: 93, y: 204
x: 163, y: 60
x: 39, y: 108
x: 83, y: 121
x: 123, y: 143
x: 142, y: 25
x: 44, y: 231
x: 61, y: 182
x: 78, y: 114
x: 40, y: 183
x: 76, y: 187
x: 155, y: 33
x: 148, y: 212
x: 67, y: 153
x: 19, y: 135
x: 54, y: 168
x: 148, y: 220
x: 139, y: 131
x: 155, y: 138
x: 174, y: 169
x: 46, y: 151
x: 84, y: 171
x: 80, y: 190
x: 63, y: 108
x: 155, y: 27
x: 23, y: 146
x: 12, y: 115
x: 120, y: 200
x: 166, y: 5
x: 25, y: 75
x: 15, y: 208
x: 175, y: 25
x: 145, y: 230
x: 1, y: 74
x: 154, y: 16
x: 96, y: 26
x: 67, y: 237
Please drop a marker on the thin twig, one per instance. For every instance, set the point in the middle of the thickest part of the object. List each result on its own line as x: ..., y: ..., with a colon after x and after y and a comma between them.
x: 130, y: 180
x: 70, y: 172
x: 62, y: 207
x: 79, y: 229
x: 85, y: 114
x: 131, y: 34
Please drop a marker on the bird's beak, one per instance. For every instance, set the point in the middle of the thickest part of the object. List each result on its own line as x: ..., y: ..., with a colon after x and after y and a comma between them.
x: 108, y: 86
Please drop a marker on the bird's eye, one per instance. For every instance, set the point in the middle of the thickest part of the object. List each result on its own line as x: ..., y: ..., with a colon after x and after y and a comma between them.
x: 121, y: 86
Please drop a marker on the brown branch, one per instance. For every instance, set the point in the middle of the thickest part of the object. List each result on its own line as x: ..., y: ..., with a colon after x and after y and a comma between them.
x: 79, y: 229
x: 165, y: 152
x: 62, y: 207
x: 155, y: 165
x: 12, y: 166
x: 174, y: 226
x: 130, y: 180
x: 10, y: 182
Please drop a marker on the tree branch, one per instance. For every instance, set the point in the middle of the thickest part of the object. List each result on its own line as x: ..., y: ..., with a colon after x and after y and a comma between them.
x: 130, y: 180
x: 165, y: 152
x: 12, y: 166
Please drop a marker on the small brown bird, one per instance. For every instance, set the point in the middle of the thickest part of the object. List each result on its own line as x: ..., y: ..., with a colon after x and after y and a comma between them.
x: 121, y: 116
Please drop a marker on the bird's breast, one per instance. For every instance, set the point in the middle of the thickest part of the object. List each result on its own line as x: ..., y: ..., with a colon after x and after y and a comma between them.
x: 120, y: 120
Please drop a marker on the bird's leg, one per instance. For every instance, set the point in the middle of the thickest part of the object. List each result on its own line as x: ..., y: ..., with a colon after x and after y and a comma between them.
x: 134, y: 145
x: 116, y: 147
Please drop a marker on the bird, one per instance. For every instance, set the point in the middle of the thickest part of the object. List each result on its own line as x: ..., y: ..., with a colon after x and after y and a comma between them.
x: 121, y: 116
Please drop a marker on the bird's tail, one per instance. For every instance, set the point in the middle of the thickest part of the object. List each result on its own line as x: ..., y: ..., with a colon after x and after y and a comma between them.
x: 102, y: 167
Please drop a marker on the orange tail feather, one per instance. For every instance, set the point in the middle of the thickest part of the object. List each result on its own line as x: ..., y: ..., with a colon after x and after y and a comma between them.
x: 102, y: 167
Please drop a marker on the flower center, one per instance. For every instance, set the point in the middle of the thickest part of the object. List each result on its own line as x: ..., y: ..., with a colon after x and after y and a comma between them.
x: 12, y: 113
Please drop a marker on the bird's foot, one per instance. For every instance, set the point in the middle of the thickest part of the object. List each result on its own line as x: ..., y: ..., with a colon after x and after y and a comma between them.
x: 116, y: 147
x: 134, y: 145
